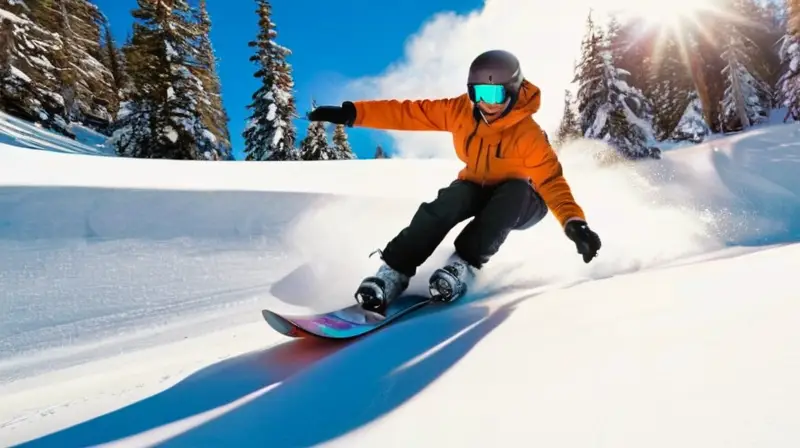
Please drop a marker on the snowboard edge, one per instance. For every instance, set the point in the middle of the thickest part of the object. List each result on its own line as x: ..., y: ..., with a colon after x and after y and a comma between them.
x: 333, y: 325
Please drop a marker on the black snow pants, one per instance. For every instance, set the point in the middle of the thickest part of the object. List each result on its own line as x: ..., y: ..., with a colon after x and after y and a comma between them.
x: 496, y: 209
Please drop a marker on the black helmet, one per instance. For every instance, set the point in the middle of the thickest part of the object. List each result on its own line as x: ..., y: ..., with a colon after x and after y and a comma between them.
x: 496, y: 67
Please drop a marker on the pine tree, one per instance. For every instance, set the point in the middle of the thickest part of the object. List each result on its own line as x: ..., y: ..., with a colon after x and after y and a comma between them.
x: 569, y: 128
x: 742, y: 99
x: 607, y: 105
x: 639, y: 107
x: 793, y: 18
x: 161, y: 118
x: 761, y: 35
x: 85, y: 83
x: 733, y: 62
x: 132, y: 129
x: 703, y: 53
x: 270, y: 133
x: 691, y: 126
x: 28, y: 79
x: 341, y: 146
x: 113, y: 59
x: 668, y: 86
x: 789, y: 81
x: 379, y: 154
x: 636, y: 48
x: 652, y: 58
x: 588, y: 73
x: 315, y: 144
x: 215, y: 144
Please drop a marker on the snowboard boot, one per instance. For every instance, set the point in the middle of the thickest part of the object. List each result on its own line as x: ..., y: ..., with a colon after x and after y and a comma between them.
x: 377, y: 291
x: 450, y: 282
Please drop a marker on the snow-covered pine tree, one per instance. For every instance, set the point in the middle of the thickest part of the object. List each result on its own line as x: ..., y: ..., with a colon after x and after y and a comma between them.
x: 569, y: 128
x: 132, y: 129
x: 738, y: 23
x: 160, y: 119
x: 270, y: 133
x: 793, y: 17
x: 692, y: 125
x: 588, y: 75
x: 85, y: 83
x: 742, y: 101
x: 668, y: 85
x: 28, y: 78
x: 640, y: 108
x: 777, y: 15
x: 634, y: 45
x: 341, y: 146
x: 314, y: 145
x: 215, y: 144
x: 616, y: 40
x: 702, y: 50
x: 789, y: 81
x: 761, y: 34
x: 113, y: 59
x: 607, y: 105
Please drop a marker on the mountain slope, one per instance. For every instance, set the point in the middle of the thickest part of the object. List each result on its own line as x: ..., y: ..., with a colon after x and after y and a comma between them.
x: 132, y: 294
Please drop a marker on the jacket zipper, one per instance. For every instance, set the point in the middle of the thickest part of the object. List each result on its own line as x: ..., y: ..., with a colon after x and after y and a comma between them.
x: 470, y: 137
x: 486, y: 172
x: 478, y: 159
x: 480, y: 152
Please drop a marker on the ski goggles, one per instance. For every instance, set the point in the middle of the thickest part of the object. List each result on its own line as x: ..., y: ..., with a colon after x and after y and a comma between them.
x: 488, y: 93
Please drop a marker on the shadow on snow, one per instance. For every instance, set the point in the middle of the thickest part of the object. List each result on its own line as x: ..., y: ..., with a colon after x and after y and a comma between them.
x: 303, y: 392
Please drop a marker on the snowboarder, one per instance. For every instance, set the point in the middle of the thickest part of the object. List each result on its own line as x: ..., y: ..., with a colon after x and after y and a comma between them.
x: 512, y: 176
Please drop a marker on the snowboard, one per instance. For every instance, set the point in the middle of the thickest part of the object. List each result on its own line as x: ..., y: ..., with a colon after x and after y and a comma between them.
x: 345, y: 323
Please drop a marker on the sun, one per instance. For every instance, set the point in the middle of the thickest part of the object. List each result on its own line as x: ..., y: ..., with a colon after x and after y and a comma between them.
x: 663, y: 13
x: 682, y: 22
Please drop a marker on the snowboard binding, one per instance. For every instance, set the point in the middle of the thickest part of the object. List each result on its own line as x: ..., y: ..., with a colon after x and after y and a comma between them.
x: 445, y: 286
x: 370, y: 295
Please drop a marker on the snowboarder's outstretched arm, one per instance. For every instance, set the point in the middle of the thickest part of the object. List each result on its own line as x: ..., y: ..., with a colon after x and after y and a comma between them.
x: 406, y: 115
x: 545, y: 170
x: 396, y: 115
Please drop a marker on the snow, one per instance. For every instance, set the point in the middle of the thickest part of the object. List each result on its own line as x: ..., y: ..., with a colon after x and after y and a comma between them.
x: 6, y: 15
x: 171, y: 134
x: 132, y: 290
x: 171, y: 53
x: 208, y: 135
x: 17, y: 132
x: 20, y: 74
x: 271, y: 111
x: 90, y: 137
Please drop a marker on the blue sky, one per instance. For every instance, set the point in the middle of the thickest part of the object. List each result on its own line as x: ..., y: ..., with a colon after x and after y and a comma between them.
x: 331, y: 41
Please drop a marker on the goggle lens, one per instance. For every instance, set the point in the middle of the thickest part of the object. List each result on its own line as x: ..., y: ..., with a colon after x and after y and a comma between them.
x: 489, y: 93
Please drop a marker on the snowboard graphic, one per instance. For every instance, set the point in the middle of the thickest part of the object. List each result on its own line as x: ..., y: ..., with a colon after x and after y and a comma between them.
x: 345, y: 323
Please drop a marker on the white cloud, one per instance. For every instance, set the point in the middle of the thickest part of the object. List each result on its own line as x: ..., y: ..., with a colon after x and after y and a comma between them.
x: 544, y: 35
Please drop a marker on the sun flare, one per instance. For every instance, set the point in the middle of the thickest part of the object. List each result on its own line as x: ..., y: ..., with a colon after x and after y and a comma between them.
x: 669, y: 13
x: 683, y: 23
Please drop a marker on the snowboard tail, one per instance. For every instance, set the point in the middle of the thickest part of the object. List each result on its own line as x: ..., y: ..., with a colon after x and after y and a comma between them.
x: 345, y: 323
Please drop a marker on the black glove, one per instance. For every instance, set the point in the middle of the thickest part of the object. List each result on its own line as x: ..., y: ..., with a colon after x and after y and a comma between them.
x: 586, y: 241
x: 344, y: 114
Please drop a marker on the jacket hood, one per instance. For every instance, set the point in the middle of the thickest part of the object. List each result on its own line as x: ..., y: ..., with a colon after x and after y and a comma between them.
x: 529, y: 100
x: 527, y: 104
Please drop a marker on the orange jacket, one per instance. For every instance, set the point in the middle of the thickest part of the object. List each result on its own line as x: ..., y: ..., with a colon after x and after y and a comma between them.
x: 512, y: 147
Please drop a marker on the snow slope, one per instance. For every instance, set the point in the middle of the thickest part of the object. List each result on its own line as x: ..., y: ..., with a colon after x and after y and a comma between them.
x: 132, y: 290
x: 19, y: 132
